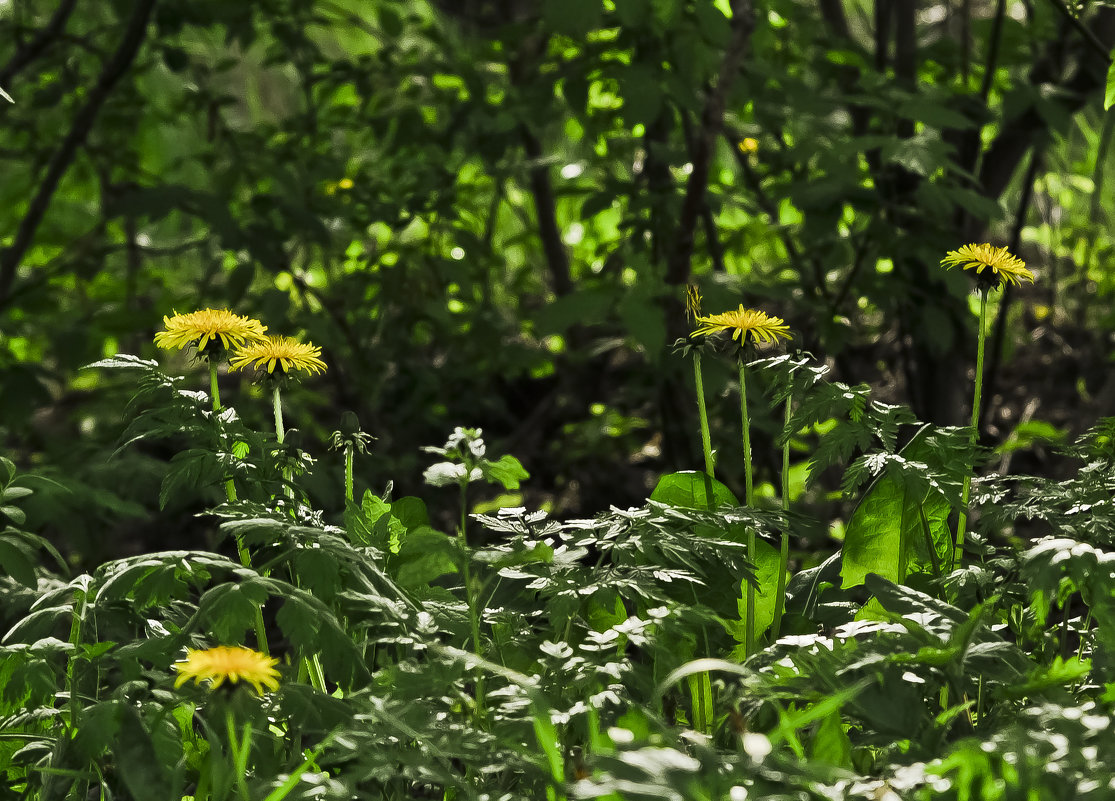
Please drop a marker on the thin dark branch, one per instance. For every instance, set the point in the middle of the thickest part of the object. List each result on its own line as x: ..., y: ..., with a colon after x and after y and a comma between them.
x: 63, y: 157
x: 712, y: 121
x: 993, y: 41
x: 832, y: 11
x: 770, y: 209
x: 545, y: 207
x: 1093, y: 41
x: 882, y: 34
x: 37, y: 46
x: 712, y: 239
x: 1017, y: 136
x: 708, y: 222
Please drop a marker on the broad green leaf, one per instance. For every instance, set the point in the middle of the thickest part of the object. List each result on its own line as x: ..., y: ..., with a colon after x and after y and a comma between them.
x: 143, y: 772
x: 508, y: 471
x: 16, y: 563
x: 767, y: 561
x: 424, y: 556
x: 887, y: 531
x: 688, y: 488
x: 831, y: 745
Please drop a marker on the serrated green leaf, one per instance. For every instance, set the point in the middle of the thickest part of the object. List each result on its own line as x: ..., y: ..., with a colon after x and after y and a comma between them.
x: 299, y: 623
x: 317, y: 570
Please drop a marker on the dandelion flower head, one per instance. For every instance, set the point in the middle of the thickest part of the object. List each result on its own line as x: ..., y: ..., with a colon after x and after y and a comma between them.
x: 206, y: 327
x: 1002, y: 267
x: 235, y: 664
x: 743, y: 323
x: 284, y: 353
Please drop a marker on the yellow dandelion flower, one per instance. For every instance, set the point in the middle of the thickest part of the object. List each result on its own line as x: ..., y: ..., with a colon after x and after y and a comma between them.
x: 748, y: 145
x: 205, y: 327
x: 742, y: 322
x: 226, y: 662
x: 1002, y: 267
x: 283, y: 352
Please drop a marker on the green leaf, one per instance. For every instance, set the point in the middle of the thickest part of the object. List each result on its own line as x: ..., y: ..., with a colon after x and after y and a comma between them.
x: 574, y: 18
x: 424, y: 556
x: 831, y: 745
x: 16, y: 563
x: 1109, y: 93
x: 14, y: 513
x: 767, y: 560
x: 318, y: 571
x: 139, y: 764
x: 299, y: 623
x: 508, y: 471
x: 688, y: 489
x: 887, y: 531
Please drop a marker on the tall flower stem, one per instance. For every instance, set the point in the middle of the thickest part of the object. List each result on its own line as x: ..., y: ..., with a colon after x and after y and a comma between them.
x: 706, y: 437
x: 215, y: 394
x: 277, y: 404
x: 784, y: 551
x: 749, y: 499
x: 311, y: 665
x: 700, y: 685
x: 230, y: 493
x: 962, y: 523
x: 349, y: 448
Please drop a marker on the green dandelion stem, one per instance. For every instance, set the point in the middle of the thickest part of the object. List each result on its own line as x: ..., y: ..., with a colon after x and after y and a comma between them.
x: 276, y: 402
x: 215, y: 395
x: 962, y: 523
x: 784, y: 550
x: 348, y: 471
x: 749, y: 499
x: 706, y: 437
x: 240, y: 751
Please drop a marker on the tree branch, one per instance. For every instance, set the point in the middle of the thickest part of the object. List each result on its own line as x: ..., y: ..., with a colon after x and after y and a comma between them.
x: 546, y: 210
x: 37, y: 46
x: 63, y: 157
x: 712, y: 121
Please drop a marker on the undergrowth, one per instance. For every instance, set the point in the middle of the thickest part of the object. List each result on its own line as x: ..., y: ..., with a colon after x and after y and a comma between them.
x: 627, y: 656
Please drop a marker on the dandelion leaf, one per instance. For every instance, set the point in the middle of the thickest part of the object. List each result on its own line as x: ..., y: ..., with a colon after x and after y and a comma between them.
x: 889, y: 528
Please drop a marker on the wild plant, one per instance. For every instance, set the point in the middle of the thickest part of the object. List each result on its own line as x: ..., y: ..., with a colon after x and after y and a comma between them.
x: 689, y: 648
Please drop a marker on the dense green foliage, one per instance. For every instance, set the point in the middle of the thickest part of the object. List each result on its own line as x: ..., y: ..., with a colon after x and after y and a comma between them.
x: 486, y: 213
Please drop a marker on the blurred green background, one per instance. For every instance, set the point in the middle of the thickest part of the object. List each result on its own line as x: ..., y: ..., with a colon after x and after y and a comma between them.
x: 486, y: 211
